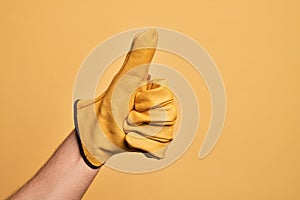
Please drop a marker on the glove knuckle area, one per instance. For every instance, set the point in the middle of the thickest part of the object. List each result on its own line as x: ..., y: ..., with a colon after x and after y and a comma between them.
x: 154, y: 95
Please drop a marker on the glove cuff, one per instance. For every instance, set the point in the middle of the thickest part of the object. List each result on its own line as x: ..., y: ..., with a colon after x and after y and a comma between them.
x: 88, y: 158
x: 89, y: 135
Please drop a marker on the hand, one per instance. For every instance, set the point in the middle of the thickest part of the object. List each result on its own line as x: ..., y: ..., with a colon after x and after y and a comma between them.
x: 133, y: 114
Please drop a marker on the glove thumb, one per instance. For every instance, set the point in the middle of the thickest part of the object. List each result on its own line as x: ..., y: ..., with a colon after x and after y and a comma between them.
x: 132, y: 73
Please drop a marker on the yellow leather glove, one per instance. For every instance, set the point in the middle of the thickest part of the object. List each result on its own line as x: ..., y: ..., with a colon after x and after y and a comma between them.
x: 133, y: 114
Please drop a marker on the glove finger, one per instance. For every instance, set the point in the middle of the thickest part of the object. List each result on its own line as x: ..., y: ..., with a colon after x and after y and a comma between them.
x: 156, y: 95
x: 159, y: 133
x: 150, y: 147
x: 165, y: 115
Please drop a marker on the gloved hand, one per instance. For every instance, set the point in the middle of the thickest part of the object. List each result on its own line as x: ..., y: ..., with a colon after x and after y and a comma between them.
x: 133, y: 114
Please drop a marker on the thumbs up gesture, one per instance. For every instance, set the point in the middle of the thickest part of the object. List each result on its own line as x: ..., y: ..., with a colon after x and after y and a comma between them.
x: 133, y: 114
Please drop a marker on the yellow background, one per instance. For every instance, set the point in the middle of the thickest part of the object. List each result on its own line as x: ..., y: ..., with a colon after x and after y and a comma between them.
x: 255, y: 45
